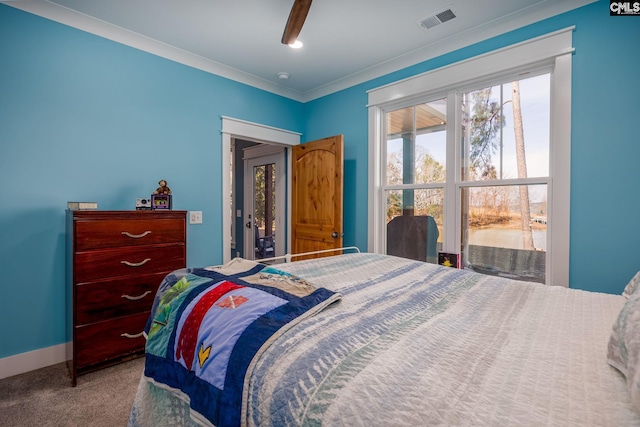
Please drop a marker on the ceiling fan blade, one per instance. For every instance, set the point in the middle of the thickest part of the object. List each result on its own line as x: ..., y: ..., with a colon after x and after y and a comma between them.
x: 296, y: 19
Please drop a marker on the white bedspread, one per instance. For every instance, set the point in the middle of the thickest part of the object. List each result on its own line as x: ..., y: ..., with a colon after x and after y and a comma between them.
x: 413, y: 344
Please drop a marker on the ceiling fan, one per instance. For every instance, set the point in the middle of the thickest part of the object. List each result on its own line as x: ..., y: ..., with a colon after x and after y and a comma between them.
x: 296, y: 19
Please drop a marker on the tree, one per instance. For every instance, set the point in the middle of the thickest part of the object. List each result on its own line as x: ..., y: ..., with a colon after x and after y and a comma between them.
x: 394, y: 176
x: 429, y: 202
x: 525, y: 214
x: 394, y: 205
x: 486, y: 120
x: 427, y: 169
x: 264, y: 208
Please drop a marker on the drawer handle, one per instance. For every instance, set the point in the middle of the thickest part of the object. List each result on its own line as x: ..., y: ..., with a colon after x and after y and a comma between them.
x: 126, y: 335
x: 130, y: 298
x: 136, y: 264
x: 135, y: 236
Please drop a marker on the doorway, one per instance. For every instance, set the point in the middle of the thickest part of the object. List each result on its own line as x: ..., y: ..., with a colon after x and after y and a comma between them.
x: 264, y: 201
x: 233, y: 129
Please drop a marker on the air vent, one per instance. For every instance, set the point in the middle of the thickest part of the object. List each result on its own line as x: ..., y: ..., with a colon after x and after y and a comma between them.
x: 437, y: 18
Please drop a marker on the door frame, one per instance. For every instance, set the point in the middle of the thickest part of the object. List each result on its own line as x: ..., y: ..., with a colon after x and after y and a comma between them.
x: 256, y: 156
x: 242, y: 129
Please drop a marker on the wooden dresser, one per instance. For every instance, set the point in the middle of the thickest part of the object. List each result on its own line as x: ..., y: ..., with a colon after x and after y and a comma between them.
x: 115, y: 262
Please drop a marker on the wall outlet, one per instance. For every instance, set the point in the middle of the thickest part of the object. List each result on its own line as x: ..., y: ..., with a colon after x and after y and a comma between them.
x: 195, y: 217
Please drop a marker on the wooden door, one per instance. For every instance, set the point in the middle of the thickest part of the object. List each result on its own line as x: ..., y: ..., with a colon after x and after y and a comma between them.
x: 317, y: 178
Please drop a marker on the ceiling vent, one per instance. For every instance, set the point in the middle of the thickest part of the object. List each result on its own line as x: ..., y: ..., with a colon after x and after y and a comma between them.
x: 437, y: 18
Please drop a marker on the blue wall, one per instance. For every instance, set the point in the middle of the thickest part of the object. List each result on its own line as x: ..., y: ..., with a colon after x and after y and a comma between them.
x: 84, y: 118
x: 605, y: 209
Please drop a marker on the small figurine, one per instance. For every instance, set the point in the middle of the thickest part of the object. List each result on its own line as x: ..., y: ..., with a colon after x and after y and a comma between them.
x: 163, y: 189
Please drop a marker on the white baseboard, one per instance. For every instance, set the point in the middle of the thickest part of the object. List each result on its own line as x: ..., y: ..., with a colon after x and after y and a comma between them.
x: 32, y: 360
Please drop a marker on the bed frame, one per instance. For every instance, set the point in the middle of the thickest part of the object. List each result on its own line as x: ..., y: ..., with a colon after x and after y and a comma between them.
x: 287, y: 257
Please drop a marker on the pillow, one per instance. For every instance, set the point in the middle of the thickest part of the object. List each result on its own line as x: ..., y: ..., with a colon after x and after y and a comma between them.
x: 624, y: 346
x: 632, y: 286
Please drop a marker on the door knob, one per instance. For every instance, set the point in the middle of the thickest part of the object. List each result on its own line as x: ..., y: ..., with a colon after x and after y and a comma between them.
x: 334, y: 234
x: 248, y: 224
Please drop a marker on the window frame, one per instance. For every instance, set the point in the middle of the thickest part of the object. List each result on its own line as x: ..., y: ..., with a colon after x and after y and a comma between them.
x: 548, y: 53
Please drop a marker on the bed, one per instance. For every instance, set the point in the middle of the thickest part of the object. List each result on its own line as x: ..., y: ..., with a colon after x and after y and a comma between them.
x: 376, y: 340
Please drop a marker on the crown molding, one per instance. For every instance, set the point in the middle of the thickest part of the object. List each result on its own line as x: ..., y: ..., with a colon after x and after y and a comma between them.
x: 80, y: 21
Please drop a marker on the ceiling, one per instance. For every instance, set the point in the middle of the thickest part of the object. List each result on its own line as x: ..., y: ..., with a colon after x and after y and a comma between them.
x: 346, y: 42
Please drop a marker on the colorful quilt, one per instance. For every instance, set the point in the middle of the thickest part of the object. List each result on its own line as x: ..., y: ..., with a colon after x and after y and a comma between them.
x: 208, y: 326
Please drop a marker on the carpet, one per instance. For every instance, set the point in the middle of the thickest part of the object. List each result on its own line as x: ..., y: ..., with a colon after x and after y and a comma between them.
x: 44, y: 397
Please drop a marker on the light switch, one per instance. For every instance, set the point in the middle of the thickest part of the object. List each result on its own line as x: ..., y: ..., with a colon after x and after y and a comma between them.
x: 195, y: 217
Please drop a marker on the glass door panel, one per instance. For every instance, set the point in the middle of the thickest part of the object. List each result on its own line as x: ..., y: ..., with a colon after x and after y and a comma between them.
x: 264, y: 210
x: 264, y: 203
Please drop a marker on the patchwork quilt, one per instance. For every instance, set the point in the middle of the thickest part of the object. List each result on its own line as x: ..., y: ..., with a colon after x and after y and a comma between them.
x: 208, y: 327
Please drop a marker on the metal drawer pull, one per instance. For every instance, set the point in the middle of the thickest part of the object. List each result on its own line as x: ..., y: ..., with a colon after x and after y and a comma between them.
x: 126, y: 335
x: 130, y: 298
x: 136, y: 264
x: 135, y: 236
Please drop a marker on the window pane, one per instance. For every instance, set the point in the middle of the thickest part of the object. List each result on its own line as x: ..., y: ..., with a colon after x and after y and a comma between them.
x: 264, y: 203
x: 414, y: 223
x: 507, y: 130
x: 416, y: 144
x: 505, y: 230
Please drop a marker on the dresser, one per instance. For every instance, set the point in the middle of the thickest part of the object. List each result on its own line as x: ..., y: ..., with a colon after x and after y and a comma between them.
x: 115, y: 262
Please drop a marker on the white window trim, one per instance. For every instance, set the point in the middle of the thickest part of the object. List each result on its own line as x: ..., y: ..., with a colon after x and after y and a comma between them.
x: 551, y: 50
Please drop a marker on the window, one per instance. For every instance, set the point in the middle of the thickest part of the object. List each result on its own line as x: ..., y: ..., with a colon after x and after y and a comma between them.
x: 477, y: 154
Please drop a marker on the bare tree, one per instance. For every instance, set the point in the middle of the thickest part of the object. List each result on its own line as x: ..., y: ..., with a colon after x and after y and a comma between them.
x: 427, y: 202
x: 525, y: 214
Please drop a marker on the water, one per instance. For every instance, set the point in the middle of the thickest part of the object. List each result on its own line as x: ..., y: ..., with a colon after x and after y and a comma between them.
x: 506, y: 238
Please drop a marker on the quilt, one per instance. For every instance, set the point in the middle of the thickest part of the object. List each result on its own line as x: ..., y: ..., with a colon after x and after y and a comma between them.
x: 208, y: 326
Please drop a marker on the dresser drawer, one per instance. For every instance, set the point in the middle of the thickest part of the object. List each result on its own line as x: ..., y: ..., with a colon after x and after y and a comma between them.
x: 97, y: 301
x: 111, y: 233
x: 99, y: 342
x: 133, y: 260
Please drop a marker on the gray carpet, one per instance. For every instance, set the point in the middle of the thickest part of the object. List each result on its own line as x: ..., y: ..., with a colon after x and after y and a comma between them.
x: 45, y: 397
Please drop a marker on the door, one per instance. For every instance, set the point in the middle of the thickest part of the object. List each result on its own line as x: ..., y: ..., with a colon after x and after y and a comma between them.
x: 264, y: 202
x: 317, y: 180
